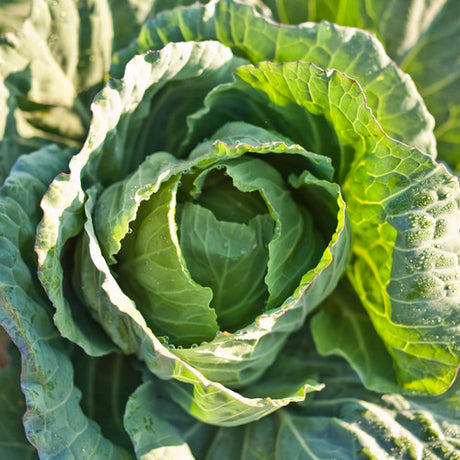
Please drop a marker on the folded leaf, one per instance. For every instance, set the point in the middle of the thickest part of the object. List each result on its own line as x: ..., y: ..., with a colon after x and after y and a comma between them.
x: 54, y: 421
x: 390, y: 93
x: 50, y: 68
x: 422, y: 37
x: 343, y: 421
x: 189, y: 284
x: 13, y: 442
x: 153, y: 436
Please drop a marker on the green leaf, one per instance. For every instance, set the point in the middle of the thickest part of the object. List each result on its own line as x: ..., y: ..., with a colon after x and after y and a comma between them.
x: 86, y: 281
x: 129, y: 15
x: 106, y: 383
x: 54, y: 422
x: 59, y: 280
x: 388, y: 20
x: 298, y: 157
x: 433, y: 63
x: 13, y: 442
x: 127, y: 18
x: 344, y: 420
x: 13, y: 14
x: 218, y: 252
x: 342, y: 327
x: 152, y: 271
x: 390, y: 93
x: 151, y: 422
x: 422, y: 37
x: 49, y: 70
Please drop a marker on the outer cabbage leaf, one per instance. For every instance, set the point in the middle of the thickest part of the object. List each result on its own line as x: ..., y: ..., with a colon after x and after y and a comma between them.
x: 353, y: 425
x: 13, y: 14
x: 106, y: 383
x: 433, y: 63
x: 50, y: 69
x: 153, y: 435
x: 390, y: 93
x: 343, y: 421
x: 343, y: 327
x: 13, y: 442
x: 54, y: 422
x: 129, y: 15
x: 421, y: 36
x: 349, y: 422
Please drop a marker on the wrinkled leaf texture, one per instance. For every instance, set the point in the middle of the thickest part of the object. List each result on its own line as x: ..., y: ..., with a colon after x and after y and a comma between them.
x: 410, y: 203
x: 423, y: 38
x: 400, y: 229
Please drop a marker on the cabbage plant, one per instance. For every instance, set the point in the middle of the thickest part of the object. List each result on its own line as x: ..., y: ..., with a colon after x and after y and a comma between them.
x: 230, y: 230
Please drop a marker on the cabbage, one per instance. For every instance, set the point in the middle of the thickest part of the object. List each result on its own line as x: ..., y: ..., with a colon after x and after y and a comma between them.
x: 223, y: 236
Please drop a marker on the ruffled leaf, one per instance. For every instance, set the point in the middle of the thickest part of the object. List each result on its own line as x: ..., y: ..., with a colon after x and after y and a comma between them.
x: 423, y: 39
x: 54, y: 422
x: 13, y: 441
x: 390, y: 93
x: 50, y: 68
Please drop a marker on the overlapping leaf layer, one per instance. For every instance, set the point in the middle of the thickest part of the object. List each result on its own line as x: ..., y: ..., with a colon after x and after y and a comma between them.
x: 202, y: 207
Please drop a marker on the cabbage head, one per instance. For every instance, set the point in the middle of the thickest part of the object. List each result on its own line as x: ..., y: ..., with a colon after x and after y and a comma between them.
x: 230, y: 229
